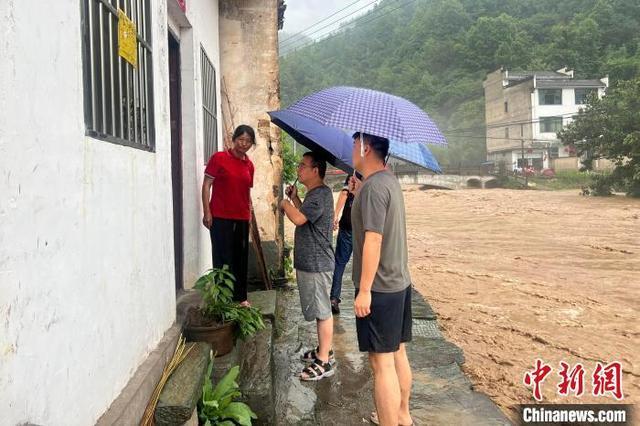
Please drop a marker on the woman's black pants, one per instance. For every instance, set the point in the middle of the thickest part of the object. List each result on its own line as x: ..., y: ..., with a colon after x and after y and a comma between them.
x: 230, y: 246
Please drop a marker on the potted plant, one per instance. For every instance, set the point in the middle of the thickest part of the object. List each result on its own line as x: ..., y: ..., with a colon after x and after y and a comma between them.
x: 219, y: 405
x: 214, y: 321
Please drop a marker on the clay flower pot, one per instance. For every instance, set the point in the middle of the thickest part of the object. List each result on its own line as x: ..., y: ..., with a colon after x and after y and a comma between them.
x: 219, y: 335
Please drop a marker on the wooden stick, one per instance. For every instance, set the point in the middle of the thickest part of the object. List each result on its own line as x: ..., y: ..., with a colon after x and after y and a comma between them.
x: 257, y: 246
x: 231, y: 125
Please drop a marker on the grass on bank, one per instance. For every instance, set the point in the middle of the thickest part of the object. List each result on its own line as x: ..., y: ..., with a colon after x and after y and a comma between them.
x: 565, y: 179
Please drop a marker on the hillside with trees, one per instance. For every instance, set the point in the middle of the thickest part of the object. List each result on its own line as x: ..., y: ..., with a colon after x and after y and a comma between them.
x: 437, y: 53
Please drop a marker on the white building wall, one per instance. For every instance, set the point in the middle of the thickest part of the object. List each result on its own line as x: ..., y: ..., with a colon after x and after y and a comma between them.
x: 86, y: 238
x: 566, y: 111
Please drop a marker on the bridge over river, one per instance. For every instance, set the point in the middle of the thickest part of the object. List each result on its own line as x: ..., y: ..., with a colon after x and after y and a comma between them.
x: 447, y: 181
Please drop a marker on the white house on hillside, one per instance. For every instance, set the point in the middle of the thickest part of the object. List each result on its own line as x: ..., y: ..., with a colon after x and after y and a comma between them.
x: 524, y: 111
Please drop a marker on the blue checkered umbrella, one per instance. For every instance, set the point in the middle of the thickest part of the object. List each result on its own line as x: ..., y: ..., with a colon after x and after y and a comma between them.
x: 333, y: 145
x: 336, y: 146
x: 370, y: 111
x: 415, y: 153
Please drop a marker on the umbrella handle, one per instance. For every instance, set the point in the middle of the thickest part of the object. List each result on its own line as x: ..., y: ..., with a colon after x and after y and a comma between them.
x: 294, y: 184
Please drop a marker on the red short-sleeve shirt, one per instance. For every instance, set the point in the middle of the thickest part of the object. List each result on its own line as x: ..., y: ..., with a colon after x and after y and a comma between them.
x: 232, y: 182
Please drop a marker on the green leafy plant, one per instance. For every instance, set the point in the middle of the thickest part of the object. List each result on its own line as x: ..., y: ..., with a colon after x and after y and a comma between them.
x: 218, y: 405
x: 247, y: 318
x: 601, y: 186
x: 289, y: 158
x: 216, y: 289
x: 273, y: 275
x: 288, y: 267
x: 287, y: 261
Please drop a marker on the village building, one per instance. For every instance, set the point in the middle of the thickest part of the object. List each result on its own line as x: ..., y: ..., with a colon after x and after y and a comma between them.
x: 524, y: 110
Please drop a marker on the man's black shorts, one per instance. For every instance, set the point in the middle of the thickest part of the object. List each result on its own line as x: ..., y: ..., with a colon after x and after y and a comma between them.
x: 388, y: 324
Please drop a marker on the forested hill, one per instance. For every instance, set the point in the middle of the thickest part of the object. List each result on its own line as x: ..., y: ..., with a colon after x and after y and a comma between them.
x: 437, y: 53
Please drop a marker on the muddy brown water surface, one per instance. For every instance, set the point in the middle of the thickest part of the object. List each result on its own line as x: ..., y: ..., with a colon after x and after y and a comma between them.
x: 519, y: 275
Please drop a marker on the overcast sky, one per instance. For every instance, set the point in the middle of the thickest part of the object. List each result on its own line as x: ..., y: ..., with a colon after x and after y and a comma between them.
x: 301, y: 14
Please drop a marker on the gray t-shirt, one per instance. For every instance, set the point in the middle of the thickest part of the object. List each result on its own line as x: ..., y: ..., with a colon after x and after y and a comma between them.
x: 312, y: 241
x: 379, y: 207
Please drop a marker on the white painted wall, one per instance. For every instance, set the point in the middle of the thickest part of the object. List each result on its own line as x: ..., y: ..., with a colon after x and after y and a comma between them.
x: 565, y: 111
x: 86, y: 238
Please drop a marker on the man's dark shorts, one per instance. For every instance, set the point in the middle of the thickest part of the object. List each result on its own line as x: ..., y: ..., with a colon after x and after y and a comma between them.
x: 388, y: 324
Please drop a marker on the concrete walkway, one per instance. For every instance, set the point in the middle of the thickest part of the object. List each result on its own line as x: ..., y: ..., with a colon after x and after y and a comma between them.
x: 441, y: 393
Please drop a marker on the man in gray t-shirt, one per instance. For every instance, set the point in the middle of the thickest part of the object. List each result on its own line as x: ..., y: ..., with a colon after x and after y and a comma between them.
x: 381, y: 277
x: 313, y: 259
x: 379, y: 208
x: 312, y: 248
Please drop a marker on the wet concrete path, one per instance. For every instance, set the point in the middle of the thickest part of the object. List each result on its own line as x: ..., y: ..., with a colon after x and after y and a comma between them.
x: 441, y: 394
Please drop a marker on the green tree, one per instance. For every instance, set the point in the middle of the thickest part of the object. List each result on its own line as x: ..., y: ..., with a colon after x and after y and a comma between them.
x: 577, y: 46
x: 610, y: 128
x: 620, y: 65
x: 498, y: 41
x: 618, y: 19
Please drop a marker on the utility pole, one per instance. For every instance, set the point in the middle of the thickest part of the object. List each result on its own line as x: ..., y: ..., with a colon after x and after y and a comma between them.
x: 524, y: 172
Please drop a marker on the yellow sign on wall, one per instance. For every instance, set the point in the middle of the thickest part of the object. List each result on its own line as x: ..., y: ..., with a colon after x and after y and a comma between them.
x: 127, y: 39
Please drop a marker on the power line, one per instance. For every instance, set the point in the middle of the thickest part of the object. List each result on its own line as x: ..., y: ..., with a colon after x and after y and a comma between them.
x: 504, y: 139
x: 319, y: 22
x: 303, y: 42
x: 357, y: 20
x: 506, y: 123
x: 365, y: 22
x: 286, y: 43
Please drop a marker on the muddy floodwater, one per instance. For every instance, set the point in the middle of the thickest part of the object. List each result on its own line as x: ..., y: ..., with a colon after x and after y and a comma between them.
x: 520, y: 275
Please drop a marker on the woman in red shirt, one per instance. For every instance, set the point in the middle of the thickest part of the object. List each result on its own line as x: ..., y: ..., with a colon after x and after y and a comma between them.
x: 226, y: 201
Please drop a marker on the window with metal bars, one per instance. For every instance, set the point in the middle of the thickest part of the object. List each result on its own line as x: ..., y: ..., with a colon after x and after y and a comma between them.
x: 118, y: 97
x: 209, y: 110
